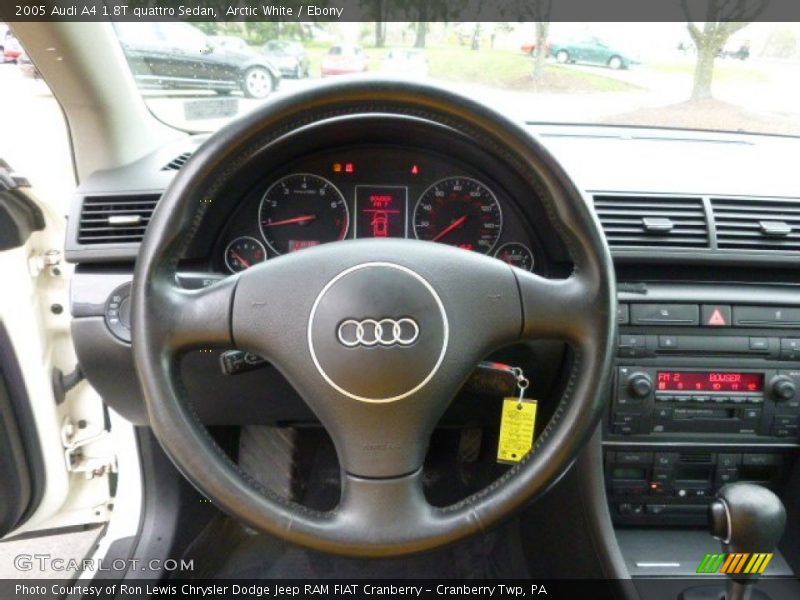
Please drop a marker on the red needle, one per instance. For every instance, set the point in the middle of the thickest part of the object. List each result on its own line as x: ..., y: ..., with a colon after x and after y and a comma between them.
x: 457, y: 223
x: 300, y: 219
x: 240, y: 259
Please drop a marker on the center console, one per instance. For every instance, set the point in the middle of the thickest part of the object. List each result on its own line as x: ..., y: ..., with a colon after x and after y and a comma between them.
x: 706, y: 392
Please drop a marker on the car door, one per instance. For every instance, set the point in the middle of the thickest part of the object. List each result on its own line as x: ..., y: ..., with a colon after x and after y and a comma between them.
x: 596, y: 51
x: 57, y: 462
x: 190, y: 52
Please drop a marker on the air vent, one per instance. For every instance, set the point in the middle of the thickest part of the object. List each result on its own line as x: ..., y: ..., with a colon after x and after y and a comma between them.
x: 176, y: 163
x: 696, y: 457
x: 755, y: 224
x: 652, y: 222
x: 115, y: 219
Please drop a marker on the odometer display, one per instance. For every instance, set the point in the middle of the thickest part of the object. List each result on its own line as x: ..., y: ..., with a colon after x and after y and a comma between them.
x: 459, y: 211
x: 302, y: 210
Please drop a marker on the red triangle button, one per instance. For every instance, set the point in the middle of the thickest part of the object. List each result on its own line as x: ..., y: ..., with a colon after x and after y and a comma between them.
x: 717, y: 319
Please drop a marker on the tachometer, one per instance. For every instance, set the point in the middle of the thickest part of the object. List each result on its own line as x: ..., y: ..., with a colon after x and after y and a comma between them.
x: 459, y: 211
x: 244, y: 252
x: 302, y: 210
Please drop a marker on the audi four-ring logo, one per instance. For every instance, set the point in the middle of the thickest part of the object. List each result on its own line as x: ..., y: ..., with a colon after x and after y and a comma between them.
x: 371, y: 332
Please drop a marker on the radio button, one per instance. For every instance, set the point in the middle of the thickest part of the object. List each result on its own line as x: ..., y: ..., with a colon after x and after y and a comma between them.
x: 634, y: 458
x: 720, y: 399
x: 790, y: 348
x: 785, y: 431
x: 626, y: 428
x: 760, y: 460
x: 729, y: 460
x: 759, y: 343
x: 752, y: 414
x: 664, y: 414
x: 738, y: 399
x: 662, y: 475
x: 682, y: 398
x: 665, y: 459
x: 755, y: 399
x: 664, y: 398
x: 668, y: 341
x: 700, y: 399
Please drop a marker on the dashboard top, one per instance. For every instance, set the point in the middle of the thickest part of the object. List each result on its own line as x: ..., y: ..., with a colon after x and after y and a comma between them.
x: 604, y: 161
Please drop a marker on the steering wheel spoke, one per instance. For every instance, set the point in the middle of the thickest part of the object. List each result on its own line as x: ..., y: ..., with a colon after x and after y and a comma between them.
x: 198, y: 318
x: 384, y: 506
x: 557, y: 308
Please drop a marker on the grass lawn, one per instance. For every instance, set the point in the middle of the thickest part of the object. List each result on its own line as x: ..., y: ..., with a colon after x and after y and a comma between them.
x: 496, y: 68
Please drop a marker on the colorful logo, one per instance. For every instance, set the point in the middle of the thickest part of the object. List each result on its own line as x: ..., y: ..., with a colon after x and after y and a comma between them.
x: 731, y: 563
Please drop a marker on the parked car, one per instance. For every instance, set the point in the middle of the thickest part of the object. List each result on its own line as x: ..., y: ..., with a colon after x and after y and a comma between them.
x: 406, y: 61
x: 230, y: 43
x: 594, y: 51
x: 11, y: 48
x: 740, y: 51
x: 4, y: 32
x: 180, y: 56
x: 344, y: 59
x: 289, y: 57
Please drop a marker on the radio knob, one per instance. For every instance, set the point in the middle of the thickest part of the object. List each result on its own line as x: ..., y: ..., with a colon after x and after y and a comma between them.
x: 783, y: 387
x: 640, y: 385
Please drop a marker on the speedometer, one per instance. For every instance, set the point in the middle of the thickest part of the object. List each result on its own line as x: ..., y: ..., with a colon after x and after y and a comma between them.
x: 302, y: 210
x: 459, y: 211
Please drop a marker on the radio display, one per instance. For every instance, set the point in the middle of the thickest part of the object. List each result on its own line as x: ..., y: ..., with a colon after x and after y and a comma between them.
x: 710, y: 381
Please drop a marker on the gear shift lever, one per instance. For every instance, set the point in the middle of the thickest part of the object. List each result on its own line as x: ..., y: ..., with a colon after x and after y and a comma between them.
x: 747, y: 519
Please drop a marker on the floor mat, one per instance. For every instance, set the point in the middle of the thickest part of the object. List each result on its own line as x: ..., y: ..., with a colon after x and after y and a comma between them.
x: 230, y: 551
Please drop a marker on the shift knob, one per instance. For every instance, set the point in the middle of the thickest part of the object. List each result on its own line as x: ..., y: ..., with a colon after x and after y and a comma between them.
x: 747, y: 518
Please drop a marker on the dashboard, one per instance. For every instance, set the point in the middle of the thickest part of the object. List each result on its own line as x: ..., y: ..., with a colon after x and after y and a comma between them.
x: 707, y: 376
x: 376, y: 192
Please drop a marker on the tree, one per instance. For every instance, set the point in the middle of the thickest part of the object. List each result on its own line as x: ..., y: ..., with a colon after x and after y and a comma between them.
x: 420, y: 12
x: 541, y: 14
x: 723, y: 19
x: 537, y: 11
x: 378, y: 11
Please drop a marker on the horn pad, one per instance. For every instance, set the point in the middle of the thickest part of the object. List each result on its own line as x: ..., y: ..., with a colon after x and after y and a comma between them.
x: 378, y: 332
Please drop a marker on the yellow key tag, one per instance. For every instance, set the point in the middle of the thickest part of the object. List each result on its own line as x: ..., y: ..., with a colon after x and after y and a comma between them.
x: 517, y: 424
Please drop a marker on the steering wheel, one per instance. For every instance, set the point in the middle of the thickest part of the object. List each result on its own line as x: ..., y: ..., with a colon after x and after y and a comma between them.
x: 435, y: 310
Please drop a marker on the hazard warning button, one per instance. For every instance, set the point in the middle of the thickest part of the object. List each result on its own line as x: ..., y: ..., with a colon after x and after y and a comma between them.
x: 715, y: 315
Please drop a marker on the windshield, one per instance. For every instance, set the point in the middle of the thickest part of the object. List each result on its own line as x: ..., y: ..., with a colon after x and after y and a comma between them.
x: 717, y: 76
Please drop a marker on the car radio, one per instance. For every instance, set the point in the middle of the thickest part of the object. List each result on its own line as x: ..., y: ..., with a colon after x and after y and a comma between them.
x: 655, y: 400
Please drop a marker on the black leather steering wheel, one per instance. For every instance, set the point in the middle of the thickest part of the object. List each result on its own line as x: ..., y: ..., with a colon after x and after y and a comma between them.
x: 445, y: 309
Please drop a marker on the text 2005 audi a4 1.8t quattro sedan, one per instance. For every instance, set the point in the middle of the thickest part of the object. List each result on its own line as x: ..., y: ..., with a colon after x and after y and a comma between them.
x: 523, y: 320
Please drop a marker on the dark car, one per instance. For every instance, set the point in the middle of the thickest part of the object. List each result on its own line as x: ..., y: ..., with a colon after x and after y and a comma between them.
x: 290, y: 57
x: 180, y: 56
x: 592, y: 51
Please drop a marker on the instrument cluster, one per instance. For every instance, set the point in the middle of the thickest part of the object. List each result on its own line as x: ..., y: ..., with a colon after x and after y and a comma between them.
x: 376, y: 193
